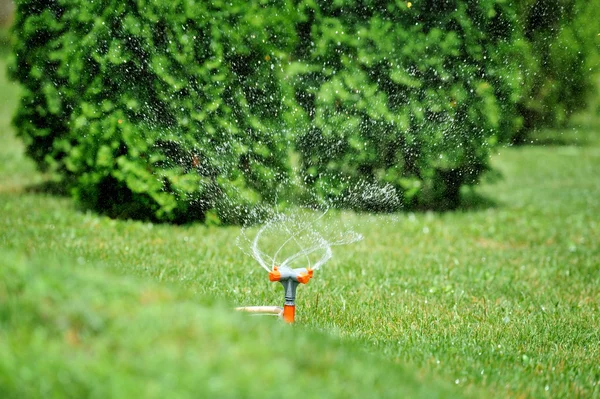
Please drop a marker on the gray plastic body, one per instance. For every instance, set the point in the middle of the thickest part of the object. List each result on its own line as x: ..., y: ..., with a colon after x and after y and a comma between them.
x: 289, y: 280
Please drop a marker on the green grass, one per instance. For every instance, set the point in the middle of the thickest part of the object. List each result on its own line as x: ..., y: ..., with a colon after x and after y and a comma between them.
x: 72, y: 331
x: 501, y: 300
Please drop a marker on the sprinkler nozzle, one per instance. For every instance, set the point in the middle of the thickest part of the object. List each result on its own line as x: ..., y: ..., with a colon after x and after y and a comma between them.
x: 304, y: 277
x: 290, y: 278
x: 275, y: 274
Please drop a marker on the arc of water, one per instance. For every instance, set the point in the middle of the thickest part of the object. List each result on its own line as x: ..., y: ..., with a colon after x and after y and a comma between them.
x: 244, y: 238
x: 294, y: 235
x: 298, y: 232
x: 324, y: 244
x: 257, y: 253
x: 297, y: 242
x: 328, y: 254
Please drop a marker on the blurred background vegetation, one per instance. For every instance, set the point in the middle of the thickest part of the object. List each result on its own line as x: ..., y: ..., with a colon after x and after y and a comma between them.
x: 7, y: 13
x: 564, y: 72
x: 207, y: 110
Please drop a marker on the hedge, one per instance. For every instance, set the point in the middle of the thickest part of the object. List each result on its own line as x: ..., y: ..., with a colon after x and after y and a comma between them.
x: 192, y: 110
x: 152, y: 109
x: 565, y: 49
x: 407, y: 96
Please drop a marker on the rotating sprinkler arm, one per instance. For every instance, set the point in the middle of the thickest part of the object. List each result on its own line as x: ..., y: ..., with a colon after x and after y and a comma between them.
x: 290, y: 278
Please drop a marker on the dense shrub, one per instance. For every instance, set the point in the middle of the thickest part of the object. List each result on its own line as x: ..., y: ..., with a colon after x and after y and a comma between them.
x: 564, y: 47
x: 188, y: 109
x: 412, y: 96
x: 156, y: 109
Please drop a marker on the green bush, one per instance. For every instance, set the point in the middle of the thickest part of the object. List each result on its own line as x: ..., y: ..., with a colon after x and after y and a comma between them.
x: 152, y: 109
x: 564, y: 46
x: 192, y: 110
x: 408, y: 97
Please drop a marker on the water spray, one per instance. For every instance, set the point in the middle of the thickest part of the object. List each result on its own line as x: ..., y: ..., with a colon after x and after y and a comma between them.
x: 303, y: 233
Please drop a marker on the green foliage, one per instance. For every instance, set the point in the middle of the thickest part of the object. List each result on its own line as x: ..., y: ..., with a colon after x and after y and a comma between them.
x: 564, y: 51
x: 411, y: 97
x: 152, y: 109
x: 193, y: 110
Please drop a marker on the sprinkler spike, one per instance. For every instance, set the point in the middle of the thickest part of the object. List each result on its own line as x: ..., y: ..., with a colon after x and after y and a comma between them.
x: 289, y: 311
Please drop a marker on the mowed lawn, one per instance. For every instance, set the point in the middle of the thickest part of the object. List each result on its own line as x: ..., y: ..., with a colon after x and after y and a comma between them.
x: 501, y: 298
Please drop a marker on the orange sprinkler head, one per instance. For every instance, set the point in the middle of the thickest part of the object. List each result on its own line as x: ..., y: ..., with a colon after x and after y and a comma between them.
x: 305, y: 277
x: 275, y: 274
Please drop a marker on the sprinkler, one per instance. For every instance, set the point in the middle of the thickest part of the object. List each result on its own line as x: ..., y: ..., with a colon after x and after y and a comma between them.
x: 302, y: 232
x: 290, y: 278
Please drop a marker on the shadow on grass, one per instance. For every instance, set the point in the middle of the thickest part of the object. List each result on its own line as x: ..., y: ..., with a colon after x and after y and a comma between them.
x: 5, y: 39
x: 113, y: 204
x: 473, y: 201
x: 470, y: 201
x: 48, y: 187
x: 583, y: 130
x: 558, y: 138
